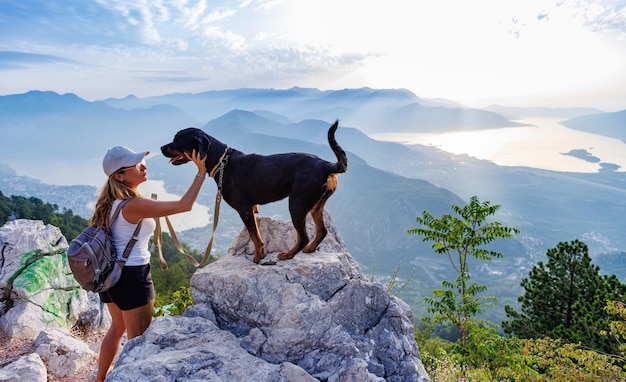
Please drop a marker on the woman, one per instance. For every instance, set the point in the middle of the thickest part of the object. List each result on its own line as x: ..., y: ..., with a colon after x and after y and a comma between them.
x: 131, y: 301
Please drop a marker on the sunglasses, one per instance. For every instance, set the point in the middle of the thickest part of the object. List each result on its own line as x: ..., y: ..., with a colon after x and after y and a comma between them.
x: 137, y: 166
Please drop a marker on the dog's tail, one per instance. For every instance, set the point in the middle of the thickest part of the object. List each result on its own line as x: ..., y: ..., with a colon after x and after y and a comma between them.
x: 342, y: 159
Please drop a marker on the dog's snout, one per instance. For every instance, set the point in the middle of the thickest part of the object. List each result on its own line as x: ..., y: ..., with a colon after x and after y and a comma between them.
x: 167, y: 151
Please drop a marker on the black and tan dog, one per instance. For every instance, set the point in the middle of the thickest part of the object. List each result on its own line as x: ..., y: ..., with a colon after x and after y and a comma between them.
x: 247, y: 180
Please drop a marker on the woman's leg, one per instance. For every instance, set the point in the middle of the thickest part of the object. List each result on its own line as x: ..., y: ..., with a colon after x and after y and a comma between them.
x: 138, y: 319
x: 111, y: 341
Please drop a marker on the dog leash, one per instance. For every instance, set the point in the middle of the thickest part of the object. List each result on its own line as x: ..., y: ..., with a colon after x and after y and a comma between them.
x: 158, y: 240
x: 217, y: 170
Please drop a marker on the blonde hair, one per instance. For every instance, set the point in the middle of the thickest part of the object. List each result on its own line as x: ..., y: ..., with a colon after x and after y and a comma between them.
x: 111, y: 191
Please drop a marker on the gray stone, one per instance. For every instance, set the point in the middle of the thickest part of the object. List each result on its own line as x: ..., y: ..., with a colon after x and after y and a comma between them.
x: 27, y: 368
x: 316, y: 315
x: 63, y: 353
x: 37, y: 289
x: 182, y: 348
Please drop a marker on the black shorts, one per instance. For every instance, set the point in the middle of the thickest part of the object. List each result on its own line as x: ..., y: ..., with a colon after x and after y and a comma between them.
x: 134, y: 289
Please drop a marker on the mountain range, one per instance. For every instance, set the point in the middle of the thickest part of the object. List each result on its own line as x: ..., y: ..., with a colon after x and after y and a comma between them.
x: 387, y: 184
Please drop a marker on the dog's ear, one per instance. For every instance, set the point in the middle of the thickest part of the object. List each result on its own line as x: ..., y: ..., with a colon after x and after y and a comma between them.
x: 203, y: 143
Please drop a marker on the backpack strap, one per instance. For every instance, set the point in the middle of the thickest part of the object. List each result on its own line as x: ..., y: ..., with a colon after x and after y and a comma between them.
x: 131, y: 243
x: 135, y: 236
x: 117, y: 211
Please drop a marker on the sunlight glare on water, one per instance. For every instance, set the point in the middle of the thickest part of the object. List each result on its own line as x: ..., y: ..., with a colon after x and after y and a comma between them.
x: 197, y: 217
x: 541, y: 145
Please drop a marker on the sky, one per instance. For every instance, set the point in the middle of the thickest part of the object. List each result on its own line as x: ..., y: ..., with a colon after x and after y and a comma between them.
x: 558, y: 53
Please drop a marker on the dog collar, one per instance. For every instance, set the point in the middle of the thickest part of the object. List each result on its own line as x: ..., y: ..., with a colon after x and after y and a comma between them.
x: 219, y: 162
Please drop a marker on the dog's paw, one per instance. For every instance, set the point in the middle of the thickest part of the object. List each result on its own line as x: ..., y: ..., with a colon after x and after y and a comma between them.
x: 286, y: 255
x: 258, y: 256
x: 309, y: 248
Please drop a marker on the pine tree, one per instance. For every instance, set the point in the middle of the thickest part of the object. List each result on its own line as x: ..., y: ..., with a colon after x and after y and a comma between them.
x: 565, y: 299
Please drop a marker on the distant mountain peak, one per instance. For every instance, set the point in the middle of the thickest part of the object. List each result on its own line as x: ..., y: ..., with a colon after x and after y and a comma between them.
x: 41, y: 101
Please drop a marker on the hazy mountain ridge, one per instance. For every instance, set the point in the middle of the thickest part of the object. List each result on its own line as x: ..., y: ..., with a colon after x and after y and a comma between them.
x: 608, y: 124
x: 372, y: 110
x: 567, y: 204
x: 46, y: 102
x: 66, y: 126
x: 514, y: 113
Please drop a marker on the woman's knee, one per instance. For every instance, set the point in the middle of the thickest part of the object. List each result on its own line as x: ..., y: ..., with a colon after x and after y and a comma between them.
x: 117, y: 319
x: 137, y: 320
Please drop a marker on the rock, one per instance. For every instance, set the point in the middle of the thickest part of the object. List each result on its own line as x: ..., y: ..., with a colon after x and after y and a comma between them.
x: 28, y: 368
x: 37, y: 289
x: 183, y: 348
x: 314, y: 317
x: 95, y: 315
x: 62, y: 353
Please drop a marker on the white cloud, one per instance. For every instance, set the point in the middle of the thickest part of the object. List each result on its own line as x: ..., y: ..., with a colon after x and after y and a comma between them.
x: 190, y: 16
x: 606, y: 17
x: 469, y: 51
x: 226, y: 39
x: 217, y: 15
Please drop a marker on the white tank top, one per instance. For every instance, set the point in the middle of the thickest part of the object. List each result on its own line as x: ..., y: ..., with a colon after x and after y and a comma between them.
x: 121, y: 233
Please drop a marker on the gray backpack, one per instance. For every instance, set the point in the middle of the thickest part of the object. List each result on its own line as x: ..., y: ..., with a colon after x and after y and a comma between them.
x: 92, y: 258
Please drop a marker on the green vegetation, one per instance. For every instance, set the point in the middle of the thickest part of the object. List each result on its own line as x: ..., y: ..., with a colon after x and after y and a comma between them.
x: 492, y: 357
x: 617, y: 309
x: 460, y: 239
x: 573, y: 320
x: 395, y: 285
x: 566, y: 299
x: 19, y: 207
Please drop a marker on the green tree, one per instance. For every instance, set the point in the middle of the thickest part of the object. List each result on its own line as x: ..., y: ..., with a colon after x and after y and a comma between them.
x: 32, y: 208
x: 498, y: 358
x: 460, y: 239
x: 565, y: 299
x: 5, y: 208
x: 558, y: 361
x: 617, y: 310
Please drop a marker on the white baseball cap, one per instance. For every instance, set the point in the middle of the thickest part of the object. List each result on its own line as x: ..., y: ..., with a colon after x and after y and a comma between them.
x: 119, y: 157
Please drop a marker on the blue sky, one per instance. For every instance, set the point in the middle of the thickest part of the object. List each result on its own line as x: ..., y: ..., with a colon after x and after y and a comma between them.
x: 522, y: 52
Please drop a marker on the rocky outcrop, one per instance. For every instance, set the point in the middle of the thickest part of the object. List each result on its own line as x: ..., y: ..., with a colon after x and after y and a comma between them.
x: 41, y: 301
x: 312, y: 318
x: 37, y: 289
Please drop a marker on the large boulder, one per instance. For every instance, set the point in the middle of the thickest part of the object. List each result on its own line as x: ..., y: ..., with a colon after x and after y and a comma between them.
x: 62, y: 353
x: 27, y: 368
x: 315, y: 317
x: 37, y: 289
x: 41, y: 302
x: 188, y: 348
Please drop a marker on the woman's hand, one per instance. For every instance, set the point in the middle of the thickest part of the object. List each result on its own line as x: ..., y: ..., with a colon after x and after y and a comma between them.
x: 199, y: 161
